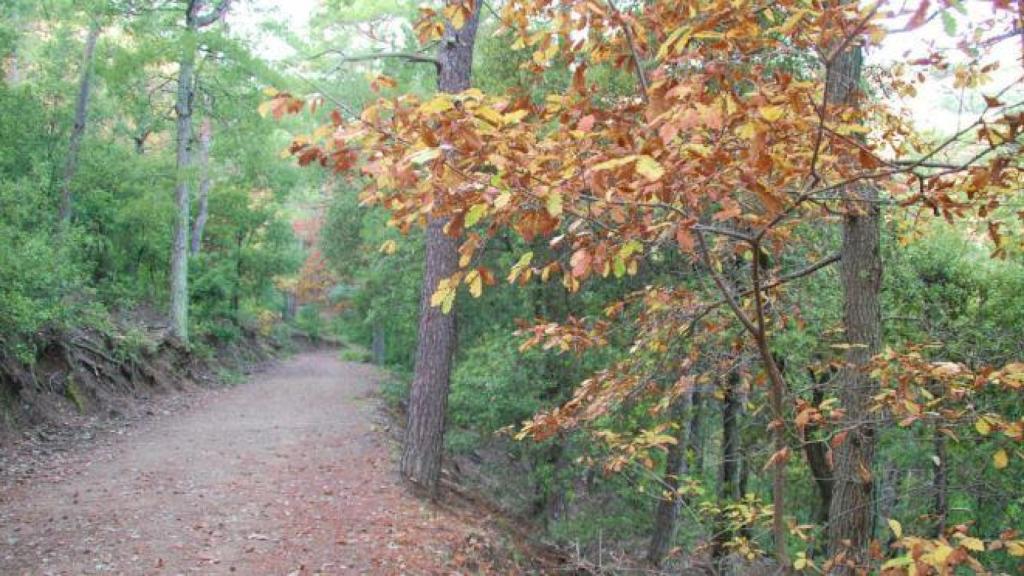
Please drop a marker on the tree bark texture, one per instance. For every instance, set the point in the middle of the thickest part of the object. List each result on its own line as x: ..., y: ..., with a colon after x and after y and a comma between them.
x: 816, y: 451
x: 666, y: 515
x: 428, y: 396
x: 861, y: 276
x: 729, y: 479
x: 194, y: 21
x: 81, y: 117
x: 205, y: 142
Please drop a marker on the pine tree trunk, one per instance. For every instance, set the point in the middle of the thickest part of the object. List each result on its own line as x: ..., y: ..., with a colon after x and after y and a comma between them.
x: 81, y: 116
x: 428, y: 396
x: 666, y: 515
x: 861, y: 276
x: 205, y: 142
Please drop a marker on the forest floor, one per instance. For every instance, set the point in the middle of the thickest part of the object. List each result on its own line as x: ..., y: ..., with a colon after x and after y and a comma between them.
x: 291, y: 473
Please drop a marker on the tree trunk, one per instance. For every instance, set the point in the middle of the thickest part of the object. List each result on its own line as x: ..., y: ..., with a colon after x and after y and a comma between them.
x: 729, y: 479
x: 697, y: 434
x: 290, y: 307
x: 378, y: 347
x: 179, y: 246
x: 205, y: 141
x: 816, y: 451
x: 940, y: 484
x: 428, y: 397
x: 183, y: 111
x: 666, y: 516
x: 861, y: 277
x: 81, y: 115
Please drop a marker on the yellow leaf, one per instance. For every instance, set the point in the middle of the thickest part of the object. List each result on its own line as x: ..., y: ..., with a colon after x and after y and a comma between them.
x: 515, y: 117
x: 264, y: 108
x: 554, y: 204
x: 615, y: 163
x: 771, y: 113
x: 896, y: 527
x: 475, y: 282
x: 1000, y: 459
x: 982, y: 426
x: 444, y: 296
x: 1015, y: 547
x: 747, y: 131
x: 520, y: 267
x: 973, y: 544
x: 389, y: 247
x: 270, y: 92
x: 649, y: 168
x: 489, y: 114
x: 440, y: 103
x: 939, y: 555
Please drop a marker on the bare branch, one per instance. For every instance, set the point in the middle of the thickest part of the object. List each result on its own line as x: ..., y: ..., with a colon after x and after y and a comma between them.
x: 723, y: 287
x: 407, y: 56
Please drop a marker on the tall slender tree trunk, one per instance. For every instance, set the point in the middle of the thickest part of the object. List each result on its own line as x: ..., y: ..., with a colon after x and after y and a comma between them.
x: 940, y: 483
x: 861, y: 276
x: 666, y: 515
x: 179, y: 246
x: 205, y: 142
x: 697, y: 433
x: 428, y: 397
x: 816, y: 451
x: 194, y: 21
x: 729, y: 479
x: 81, y: 117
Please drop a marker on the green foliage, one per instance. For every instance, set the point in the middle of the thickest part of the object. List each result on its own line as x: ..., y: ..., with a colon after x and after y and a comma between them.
x: 310, y: 322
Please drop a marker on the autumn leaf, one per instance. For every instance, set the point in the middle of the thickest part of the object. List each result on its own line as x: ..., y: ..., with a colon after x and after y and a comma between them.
x: 1000, y: 459
x: 440, y: 103
x: 554, y: 204
x: 649, y: 168
x: 475, y: 282
x: 476, y: 212
x: 896, y: 527
x: 973, y: 544
x: 771, y: 113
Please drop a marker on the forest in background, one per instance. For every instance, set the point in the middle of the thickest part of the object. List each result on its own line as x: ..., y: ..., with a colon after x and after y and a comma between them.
x: 691, y: 302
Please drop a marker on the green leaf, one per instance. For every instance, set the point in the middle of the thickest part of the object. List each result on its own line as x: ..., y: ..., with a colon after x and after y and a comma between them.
x: 948, y: 23
x: 475, y: 213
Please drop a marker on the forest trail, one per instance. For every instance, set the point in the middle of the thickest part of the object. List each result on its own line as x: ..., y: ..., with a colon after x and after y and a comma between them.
x: 287, y: 474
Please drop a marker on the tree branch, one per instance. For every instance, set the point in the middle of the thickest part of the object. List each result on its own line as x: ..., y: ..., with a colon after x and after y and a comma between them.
x: 407, y: 56
x: 214, y: 15
x: 723, y: 288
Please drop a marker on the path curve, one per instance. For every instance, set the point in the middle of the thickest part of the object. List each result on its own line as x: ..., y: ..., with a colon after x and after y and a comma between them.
x: 285, y: 475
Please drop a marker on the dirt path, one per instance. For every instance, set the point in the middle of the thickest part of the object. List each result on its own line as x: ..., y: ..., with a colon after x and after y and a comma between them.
x: 285, y: 475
